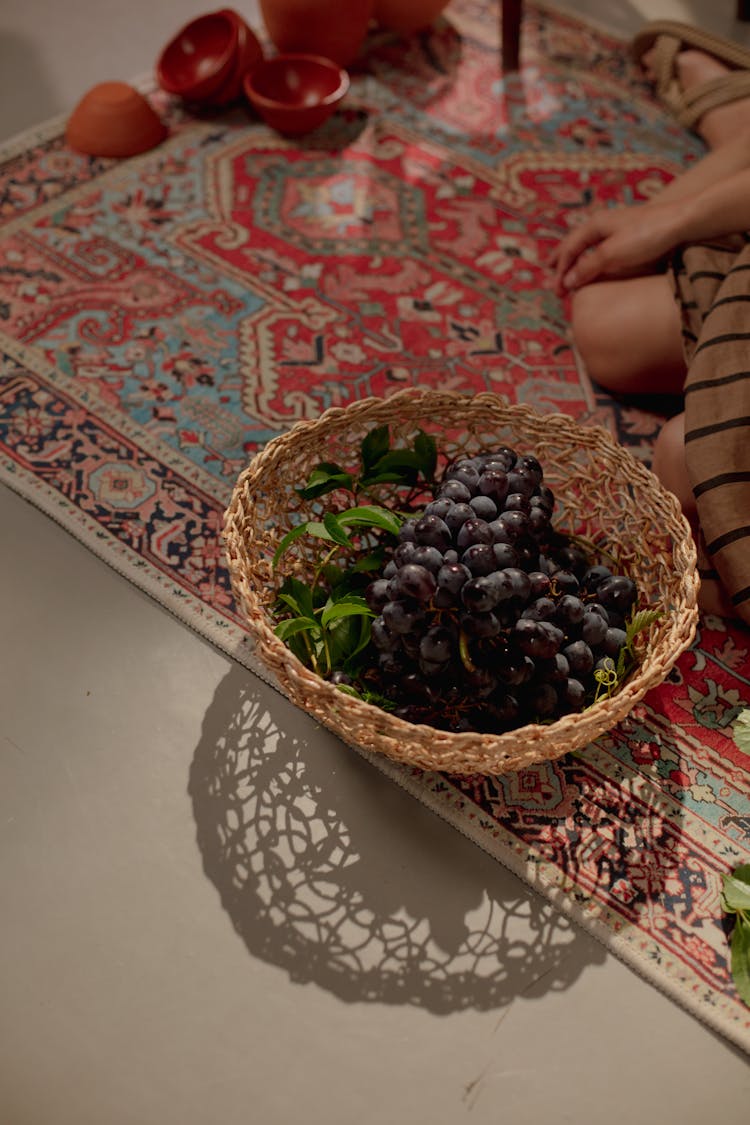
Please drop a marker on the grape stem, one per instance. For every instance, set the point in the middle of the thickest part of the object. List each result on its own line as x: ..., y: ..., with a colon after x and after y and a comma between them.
x: 463, y: 651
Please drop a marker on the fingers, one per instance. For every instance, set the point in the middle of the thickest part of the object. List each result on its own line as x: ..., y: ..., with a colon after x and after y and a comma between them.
x: 587, y: 268
x: 570, y: 254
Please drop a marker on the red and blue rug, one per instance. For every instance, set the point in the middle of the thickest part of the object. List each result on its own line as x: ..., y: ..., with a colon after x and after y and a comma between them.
x: 162, y: 318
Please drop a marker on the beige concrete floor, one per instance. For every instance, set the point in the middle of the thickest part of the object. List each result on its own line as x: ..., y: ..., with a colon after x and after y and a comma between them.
x: 146, y: 978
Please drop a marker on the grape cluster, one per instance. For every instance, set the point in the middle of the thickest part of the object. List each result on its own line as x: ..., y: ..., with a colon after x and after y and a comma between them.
x: 487, y: 617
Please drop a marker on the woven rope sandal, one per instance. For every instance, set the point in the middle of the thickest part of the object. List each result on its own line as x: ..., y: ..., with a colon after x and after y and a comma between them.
x: 667, y: 38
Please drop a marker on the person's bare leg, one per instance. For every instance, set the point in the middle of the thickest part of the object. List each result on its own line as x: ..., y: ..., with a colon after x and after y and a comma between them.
x: 670, y: 465
x: 628, y: 334
x: 719, y: 125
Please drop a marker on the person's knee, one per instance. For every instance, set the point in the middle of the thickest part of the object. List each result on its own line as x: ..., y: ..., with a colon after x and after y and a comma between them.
x: 591, y: 324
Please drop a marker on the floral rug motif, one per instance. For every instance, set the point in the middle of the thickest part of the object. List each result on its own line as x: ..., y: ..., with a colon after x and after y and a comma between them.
x: 162, y: 318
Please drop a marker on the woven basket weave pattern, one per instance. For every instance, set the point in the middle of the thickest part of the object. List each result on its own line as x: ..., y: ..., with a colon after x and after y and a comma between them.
x: 601, y: 493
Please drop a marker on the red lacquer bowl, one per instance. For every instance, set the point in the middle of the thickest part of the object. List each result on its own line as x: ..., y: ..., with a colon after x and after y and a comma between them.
x: 295, y: 93
x: 248, y: 54
x: 201, y: 57
x: 114, y: 119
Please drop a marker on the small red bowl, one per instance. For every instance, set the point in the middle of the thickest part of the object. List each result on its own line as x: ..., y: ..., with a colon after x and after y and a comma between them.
x: 248, y: 54
x: 295, y: 93
x: 200, y: 58
x: 114, y: 119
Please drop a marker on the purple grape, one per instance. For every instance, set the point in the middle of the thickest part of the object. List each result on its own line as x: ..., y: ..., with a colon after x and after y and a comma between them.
x: 456, y: 491
x: 402, y: 618
x: 541, y: 609
x: 570, y: 610
x: 554, y: 670
x: 493, y: 483
x: 458, y: 515
x: 431, y: 668
x: 539, y: 524
x: 479, y: 558
x: 594, y: 576
x: 452, y: 576
x: 413, y: 581
x: 466, y: 472
x: 510, y: 527
x: 471, y: 532
x: 593, y: 628
x: 517, y: 502
x: 618, y: 593
x: 520, y: 583
x: 614, y: 639
x: 579, y: 657
x: 382, y: 637
x: 479, y: 594
x: 529, y: 463
x: 406, y: 531
x: 566, y: 582
x: 540, y: 583
x: 523, y: 481
x: 504, y: 584
x: 404, y: 553
x: 439, y: 507
x: 573, y: 559
x: 505, y: 555
x: 484, y: 507
x: 432, y: 531
x: 543, y: 700
x: 482, y: 682
x: 480, y: 625
x: 573, y: 694
x: 428, y: 557
x: 504, y: 459
x: 436, y: 645
x: 537, y: 638
x: 376, y: 594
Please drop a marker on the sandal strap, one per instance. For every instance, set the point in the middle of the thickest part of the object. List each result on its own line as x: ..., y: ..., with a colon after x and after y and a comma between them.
x: 712, y: 94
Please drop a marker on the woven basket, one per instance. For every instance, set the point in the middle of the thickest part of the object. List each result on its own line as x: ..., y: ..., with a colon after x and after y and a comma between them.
x: 601, y: 492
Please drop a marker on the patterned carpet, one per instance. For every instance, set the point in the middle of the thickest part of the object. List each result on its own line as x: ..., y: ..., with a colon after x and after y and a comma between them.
x: 164, y: 317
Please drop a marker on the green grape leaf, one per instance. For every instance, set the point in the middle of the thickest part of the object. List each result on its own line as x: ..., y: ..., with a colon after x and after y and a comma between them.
x: 400, y: 465
x: 426, y: 450
x: 735, y: 893
x: 369, y: 515
x: 366, y: 563
x: 336, y: 532
x: 294, y: 625
x: 288, y: 539
x: 741, y: 730
x: 383, y: 478
x: 298, y: 596
x: 325, y: 477
x: 640, y: 620
x: 741, y: 958
x: 348, y: 606
x: 349, y: 689
x: 374, y: 445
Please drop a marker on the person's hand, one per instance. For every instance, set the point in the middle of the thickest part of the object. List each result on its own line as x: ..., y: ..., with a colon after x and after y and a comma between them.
x: 618, y: 242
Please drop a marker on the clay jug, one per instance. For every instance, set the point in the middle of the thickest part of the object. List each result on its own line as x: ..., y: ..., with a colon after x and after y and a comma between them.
x: 407, y: 16
x: 333, y: 28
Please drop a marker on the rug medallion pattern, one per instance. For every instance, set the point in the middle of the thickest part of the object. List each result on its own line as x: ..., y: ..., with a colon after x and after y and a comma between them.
x: 162, y: 318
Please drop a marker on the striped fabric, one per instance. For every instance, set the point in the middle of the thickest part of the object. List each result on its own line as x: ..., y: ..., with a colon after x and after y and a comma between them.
x: 712, y: 283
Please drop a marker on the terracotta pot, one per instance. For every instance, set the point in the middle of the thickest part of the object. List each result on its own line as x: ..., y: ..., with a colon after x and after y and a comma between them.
x: 334, y: 29
x: 407, y: 16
